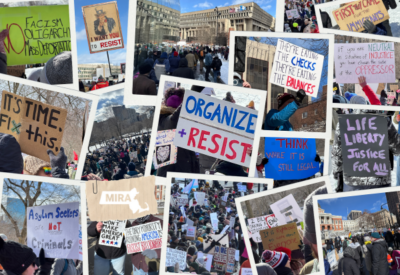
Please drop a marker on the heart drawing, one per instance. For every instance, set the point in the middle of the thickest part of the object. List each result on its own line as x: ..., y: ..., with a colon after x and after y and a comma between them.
x: 163, y: 153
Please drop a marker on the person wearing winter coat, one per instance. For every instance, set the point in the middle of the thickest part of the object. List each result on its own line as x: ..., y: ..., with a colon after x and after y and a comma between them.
x: 66, y: 267
x: 348, y: 265
x: 122, y: 171
x: 372, y: 96
x: 207, y: 63
x: 17, y: 259
x: 216, y: 65
x: 278, y: 119
x: 163, y: 64
x: 186, y: 161
x: 143, y: 85
x: 183, y: 71
x: 132, y: 173
x: 265, y: 269
x: 389, y: 238
x: 191, y: 59
x: 174, y: 62
x: 279, y: 261
x: 11, y: 160
x: 379, y: 255
x: 395, y: 254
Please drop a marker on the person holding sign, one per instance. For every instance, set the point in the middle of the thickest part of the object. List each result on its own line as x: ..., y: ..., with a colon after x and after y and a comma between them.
x: 287, y: 106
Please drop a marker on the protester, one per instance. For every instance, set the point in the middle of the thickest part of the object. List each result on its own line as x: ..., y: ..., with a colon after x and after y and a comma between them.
x: 191, y: 59
x: 17, y: 259
x: 174, y: 61
x: 207, y: 63
x: 183, y: 71
x: 161, y: 65
x: 216, y: 66
x: 143, y: 85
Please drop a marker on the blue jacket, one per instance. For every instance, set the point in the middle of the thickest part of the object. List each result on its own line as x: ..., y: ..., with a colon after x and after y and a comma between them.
x: 208, y: 59
x: 174, y: 63
x: 163, y: 60
x: 280, y: 119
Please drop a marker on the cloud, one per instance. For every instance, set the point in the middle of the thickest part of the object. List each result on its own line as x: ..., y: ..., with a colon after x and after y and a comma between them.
x: 81, y: 35
x: 116, y: 57
x: 266, y: 7
x: 204, y: 5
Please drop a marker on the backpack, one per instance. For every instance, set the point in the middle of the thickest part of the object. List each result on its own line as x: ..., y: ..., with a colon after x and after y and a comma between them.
x: 159, y: 70
x: 65, y: 267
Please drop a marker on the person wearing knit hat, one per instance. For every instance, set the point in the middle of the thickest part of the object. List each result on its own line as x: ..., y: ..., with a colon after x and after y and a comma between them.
x: 359, y: 100
x: 17, y: 259
x: 36, y: 166
x: 275, y: 259
x: 143, y: 85
x: 10, y: 158
x: 285, y: 250
x: 348, y: 95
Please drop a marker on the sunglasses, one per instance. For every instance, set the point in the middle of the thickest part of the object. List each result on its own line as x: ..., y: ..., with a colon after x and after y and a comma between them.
x: 47, y: 170
x: 34, y: 265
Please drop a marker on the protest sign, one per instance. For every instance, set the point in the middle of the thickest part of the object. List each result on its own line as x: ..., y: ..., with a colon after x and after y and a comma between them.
x: 365, y: 147
x: 145, y: 236
x: 112, y: 233
x: 220, y: 254
x: 95, y: 78
x: 271, y: 220
x: 223, y: 241
x: 17, y: 71
x: 183, y: 211
x: 133, y: 155
x: 232, y: 222
x: 394, y: 88
x: 332, y: 258
x: 242, y: 188
x: 216, y: 128
x: 191, y: 232
x: 176, y: 256
x: 182, y: 200
x: 214, y: 220
x: 36, y: 33
x: 200, y: 196
x: 209, y: 262
x: 189, y: 222
x: 80, y: 243
x: 165, y: 151
x: 281, y: 236
x: 287, y: 210
x: 122, y: 199
x: 230, y: 264
x: 290, y: 158
x: 351, y: 17
x: 103, y: 27
x: 375, y: 61
x: 36, y: 126
x: 391, y: 96
x: 292, y: 14
x: 247, y: 271
x: 55, y: 229
x: 297, y: 68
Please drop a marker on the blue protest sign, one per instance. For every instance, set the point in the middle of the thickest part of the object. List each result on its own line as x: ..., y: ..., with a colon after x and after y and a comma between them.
x: 290, y: 158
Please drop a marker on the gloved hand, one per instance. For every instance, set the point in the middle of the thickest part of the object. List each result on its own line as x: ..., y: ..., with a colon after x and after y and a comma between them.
x: 317, y: 158
x: 151, y: 254
x: 3, y: 35
x: 264, y: 161
x: 42, y: 258
x: 58, y: 164
x: 300, y: 95
x: 369, y: 26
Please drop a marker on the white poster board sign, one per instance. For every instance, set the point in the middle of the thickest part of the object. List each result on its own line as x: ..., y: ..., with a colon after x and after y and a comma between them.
x: 214, y: 220
x: 145, y: 236
x: 165, y: 151
x: 332, y: 258
x: 182, y: 200
x: 292, y: 14
x: 297, y: 68
x: 112, y: 233
x: 191, y: 232
x: 200, y: 196
x: 176, y: 256
x: 54, y: 224
x: 287, y: 210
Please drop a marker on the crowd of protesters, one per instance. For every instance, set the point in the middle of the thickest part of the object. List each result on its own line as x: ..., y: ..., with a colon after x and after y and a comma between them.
x: 304, y: 20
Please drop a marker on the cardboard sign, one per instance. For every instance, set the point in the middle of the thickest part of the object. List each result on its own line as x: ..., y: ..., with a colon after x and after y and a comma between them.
x: 112, y: 233
x: 36, y: 33
x: 54, y: 228
x: 176, y: 256
x: 375, y: 61
x: 145, y: 236
x: 292, y: 14
x: 17, y: 71
x: 216, y: 128
x: 365, y: 147
x: 230, y: 264
x: 165, y: 150
x: 281, y: 236
x: 103, y: 27
x: 290, y: 158
x: 297, y: 68
x: 182, y: 200
x: 394, y: 88
x: 351, y: 17
x: 209, y: 238
x: 191, y: 232
x: 221, y: 254
x: 200, y: 196
x: 287, y: 210
x: 123, y: 199
x: 36, y: 126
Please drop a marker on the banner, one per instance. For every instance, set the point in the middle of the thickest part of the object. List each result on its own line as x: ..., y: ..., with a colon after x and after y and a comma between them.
x: 351, y: 17
x: 290, y: 158
x: 375, y: 61
x: 216, y: 128
x: 112, y: 233
x: 123, y: 199
x: 165, y: 150
x: 365, y: 147
x: 287, y: 210
x: 145, y: 236
x: 103, y: 27
x: 36, y: 33
x: 281, y: 236
x: 54, y: 228
x: 176, y: 256
x: 292, y: 14
x: 36, y: 126
x: 297, y: 68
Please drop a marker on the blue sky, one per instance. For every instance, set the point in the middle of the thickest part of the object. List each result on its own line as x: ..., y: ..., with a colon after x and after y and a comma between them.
x: 84, y: 56
x: 340, y: 206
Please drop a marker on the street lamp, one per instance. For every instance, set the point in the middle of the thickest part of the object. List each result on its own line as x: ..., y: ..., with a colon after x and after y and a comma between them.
x: 218, y: 14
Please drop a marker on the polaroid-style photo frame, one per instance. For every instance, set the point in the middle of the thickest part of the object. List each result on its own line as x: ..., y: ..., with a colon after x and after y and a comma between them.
x: 190, y: 181
x: 256, y: 59
x: 287, y: 204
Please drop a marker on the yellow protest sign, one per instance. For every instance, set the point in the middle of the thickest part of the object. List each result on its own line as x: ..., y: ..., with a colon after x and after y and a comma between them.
x: 351, y: 17
x: 36, y: 126
x: 36, y: 33
x: 281, y: 236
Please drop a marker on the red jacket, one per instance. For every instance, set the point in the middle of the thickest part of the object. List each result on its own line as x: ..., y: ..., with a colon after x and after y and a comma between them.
x: 372, y: 96
x: 100, y: 85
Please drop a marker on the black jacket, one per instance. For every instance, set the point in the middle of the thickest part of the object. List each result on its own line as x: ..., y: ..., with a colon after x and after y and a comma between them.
x: 389, y: 237
x: 348, y: 266
x: 183, y: 70
x: 216, y: 64
x: 379, y: 257
x: 120, y: 175
x: 10, y: 157
x: 283, y: 271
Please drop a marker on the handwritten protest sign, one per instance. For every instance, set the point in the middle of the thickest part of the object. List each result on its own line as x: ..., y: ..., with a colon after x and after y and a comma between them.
x: 281, y: 236
x: 297, y: 68
x: 365, y: 147
x: 224, y: 241
x: 145, y: 236
x: 292, y: 14
x: 182, y: 200
x: 290, y: 158
x: 36, y: 33
x: 176, y: 256
x: 165, y: 150
x: 36, y: 126
x: 230, y: 264
x: 122, y: 199
x: 112, y: 233
x: 351, y: 17
x: 214, y: 220
x: 200, y: 196
x: 216, y: 128
x: 103, y: 27
x: 191, y: 232
x: 332, y: 258
x: 287, y: 210
x: 55, y: 229
x: 221, y: 254
x: 375, y: 61
x: 260, y: 223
